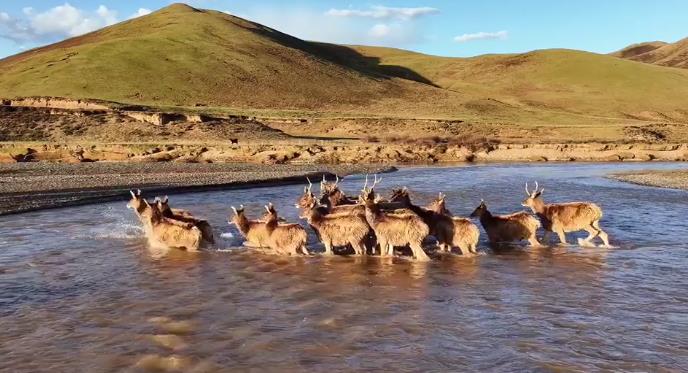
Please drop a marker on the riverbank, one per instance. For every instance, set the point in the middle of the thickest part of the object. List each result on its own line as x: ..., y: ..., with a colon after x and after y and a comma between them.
x: 39, y: 185
x: 332, y: 151
x: 674, y: 179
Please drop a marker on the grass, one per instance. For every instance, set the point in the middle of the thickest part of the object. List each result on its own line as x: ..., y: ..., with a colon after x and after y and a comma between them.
x: 180, y: 58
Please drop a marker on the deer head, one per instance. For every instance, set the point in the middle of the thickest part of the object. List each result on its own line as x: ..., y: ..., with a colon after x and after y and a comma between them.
x: 480, y: 210
x: 136, y: 200
x: 534, y: 199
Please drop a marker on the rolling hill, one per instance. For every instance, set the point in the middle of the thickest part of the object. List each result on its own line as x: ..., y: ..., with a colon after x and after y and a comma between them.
x: 182, y: 56
x: 658, y: 53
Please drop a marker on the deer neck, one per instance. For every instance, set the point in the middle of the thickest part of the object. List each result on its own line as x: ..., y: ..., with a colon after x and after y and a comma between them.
x: 242, y: 223
x: 486, y: 218
x: 539, y: 206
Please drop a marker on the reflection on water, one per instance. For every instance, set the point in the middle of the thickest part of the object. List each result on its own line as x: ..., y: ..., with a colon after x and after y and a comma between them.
x: 80, y: 291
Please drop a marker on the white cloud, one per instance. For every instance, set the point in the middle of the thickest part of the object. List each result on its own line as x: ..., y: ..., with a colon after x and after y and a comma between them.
x: 380, y: 30
x: 140, y: 13
x: 55, y: 23
x: 383, y: 12
x: 481, y: 36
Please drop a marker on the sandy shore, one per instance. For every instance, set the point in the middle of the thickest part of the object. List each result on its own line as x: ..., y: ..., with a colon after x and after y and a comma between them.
x: 666, y: 179
x: 33, y: 186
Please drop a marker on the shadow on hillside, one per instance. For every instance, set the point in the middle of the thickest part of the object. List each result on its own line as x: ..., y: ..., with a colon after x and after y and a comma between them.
x: 340, y: 55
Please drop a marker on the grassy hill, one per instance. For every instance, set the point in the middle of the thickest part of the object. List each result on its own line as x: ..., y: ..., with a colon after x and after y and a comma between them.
x: 181, y: 56
x: 658, y: 53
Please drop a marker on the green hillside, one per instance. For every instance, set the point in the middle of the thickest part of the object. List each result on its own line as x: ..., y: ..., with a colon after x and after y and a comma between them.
x: 184, y: 56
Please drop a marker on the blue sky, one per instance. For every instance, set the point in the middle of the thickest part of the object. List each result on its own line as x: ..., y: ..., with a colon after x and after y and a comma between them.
x: 449, y: 28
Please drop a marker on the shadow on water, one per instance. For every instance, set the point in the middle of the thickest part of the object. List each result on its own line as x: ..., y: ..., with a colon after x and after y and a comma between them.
x: 84, y: 277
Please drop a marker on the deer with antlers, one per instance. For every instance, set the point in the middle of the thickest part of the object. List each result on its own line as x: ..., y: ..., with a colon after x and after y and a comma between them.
x: 187, y: 217
x: 162, y: 231
x: 332, y: 196
x: 561, y: 218
x: 338, y: 229
x: 449, y: 231
x: 507, y: 228
x: 285, y: 238
x: 394, y: 229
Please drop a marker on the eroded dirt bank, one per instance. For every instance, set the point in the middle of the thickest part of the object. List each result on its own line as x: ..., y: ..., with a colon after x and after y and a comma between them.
x: 32, y: 186
x: 345, y: 152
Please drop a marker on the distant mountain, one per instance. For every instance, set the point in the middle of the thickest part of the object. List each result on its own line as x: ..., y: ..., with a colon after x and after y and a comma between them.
x: 658, y: 53
x: 182, y: 56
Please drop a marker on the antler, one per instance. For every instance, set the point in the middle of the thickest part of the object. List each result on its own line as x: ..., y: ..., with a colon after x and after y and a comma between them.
x: 376, y: 181
x: 310, y: 185
x: 336, y: 181
x: 538, y: 187
x: 365, y: 186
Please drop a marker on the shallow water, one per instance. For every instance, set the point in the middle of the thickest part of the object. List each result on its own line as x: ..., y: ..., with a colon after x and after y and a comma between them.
x: 79, y: 290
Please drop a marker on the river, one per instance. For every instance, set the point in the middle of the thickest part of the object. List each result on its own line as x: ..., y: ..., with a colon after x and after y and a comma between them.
x: 80, y: 291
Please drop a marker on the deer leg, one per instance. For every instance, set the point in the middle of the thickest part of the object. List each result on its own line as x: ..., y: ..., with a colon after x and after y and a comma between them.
x: 533, y: 241
x: 328, y: 247
x: 383, y: 247
x: 419, y: 253
x: 603, y: 235
x: 562, y: 236
x: 545, y: 237
x: 587, y: 241
x: 358, y: 247
x: 305, y: 251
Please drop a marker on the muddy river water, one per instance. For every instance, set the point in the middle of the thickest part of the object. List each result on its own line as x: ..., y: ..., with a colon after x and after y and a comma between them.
x: 80, y: 291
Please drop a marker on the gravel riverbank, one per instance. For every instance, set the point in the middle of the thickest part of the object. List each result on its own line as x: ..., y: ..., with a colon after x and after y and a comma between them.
x: 665, y: 179
x: 33, y: 186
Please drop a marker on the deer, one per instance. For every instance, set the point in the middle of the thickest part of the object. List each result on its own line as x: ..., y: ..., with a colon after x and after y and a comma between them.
x: 394, y: 229
x: 187, y: 217
x: 448, y: 231
x: 439, y: 206
x: 338, y: 229
x: 561, y: 218
x: 162, y: 231
x: 507, y: 228
x: 172, y: 233
x: 331, y: 196
x: 285, y: 238
x: 254, y: 231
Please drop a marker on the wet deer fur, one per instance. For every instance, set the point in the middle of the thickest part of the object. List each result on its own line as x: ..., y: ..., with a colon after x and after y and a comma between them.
x: 285, y: 238
x: 254, y: 231
x: 561, y: 218
x: 507, y: 228
x: 394, y: 229
x: 449, y: 231
x: 162, y: 231
x: 336, y: 230
x: 187, y: 217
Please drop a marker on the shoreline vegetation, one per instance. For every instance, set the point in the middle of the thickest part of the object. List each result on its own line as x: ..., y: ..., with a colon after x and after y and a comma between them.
x: 41, y: 185
x: 674, y: 179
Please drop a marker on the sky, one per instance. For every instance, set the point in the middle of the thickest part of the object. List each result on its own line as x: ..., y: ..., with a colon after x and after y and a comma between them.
x: 458, y: 28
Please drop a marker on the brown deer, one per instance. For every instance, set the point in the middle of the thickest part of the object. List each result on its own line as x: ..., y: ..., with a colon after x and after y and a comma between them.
x: 338, y: 229
x: 331, y: 196
x: 561, y: 218
x: 164, y: 232
x: 449, y: 231
x: 507, y: 228
x: 394, y: 229
x: 254, y: 231
x: 439, y: 205
x: 285, y: 238
x: 187, y: 217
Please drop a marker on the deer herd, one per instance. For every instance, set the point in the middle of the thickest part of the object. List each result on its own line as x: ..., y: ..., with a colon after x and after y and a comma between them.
x: 372, y: 225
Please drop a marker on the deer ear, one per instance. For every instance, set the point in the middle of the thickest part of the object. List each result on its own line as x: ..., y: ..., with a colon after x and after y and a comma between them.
x: 138, y: 192
x: 165, y: 199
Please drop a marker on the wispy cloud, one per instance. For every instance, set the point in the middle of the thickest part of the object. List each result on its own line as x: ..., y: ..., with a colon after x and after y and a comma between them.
x: 141, y: 12
x: 57, y: 23
x: 383, y: 12
x: 481, y: 36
